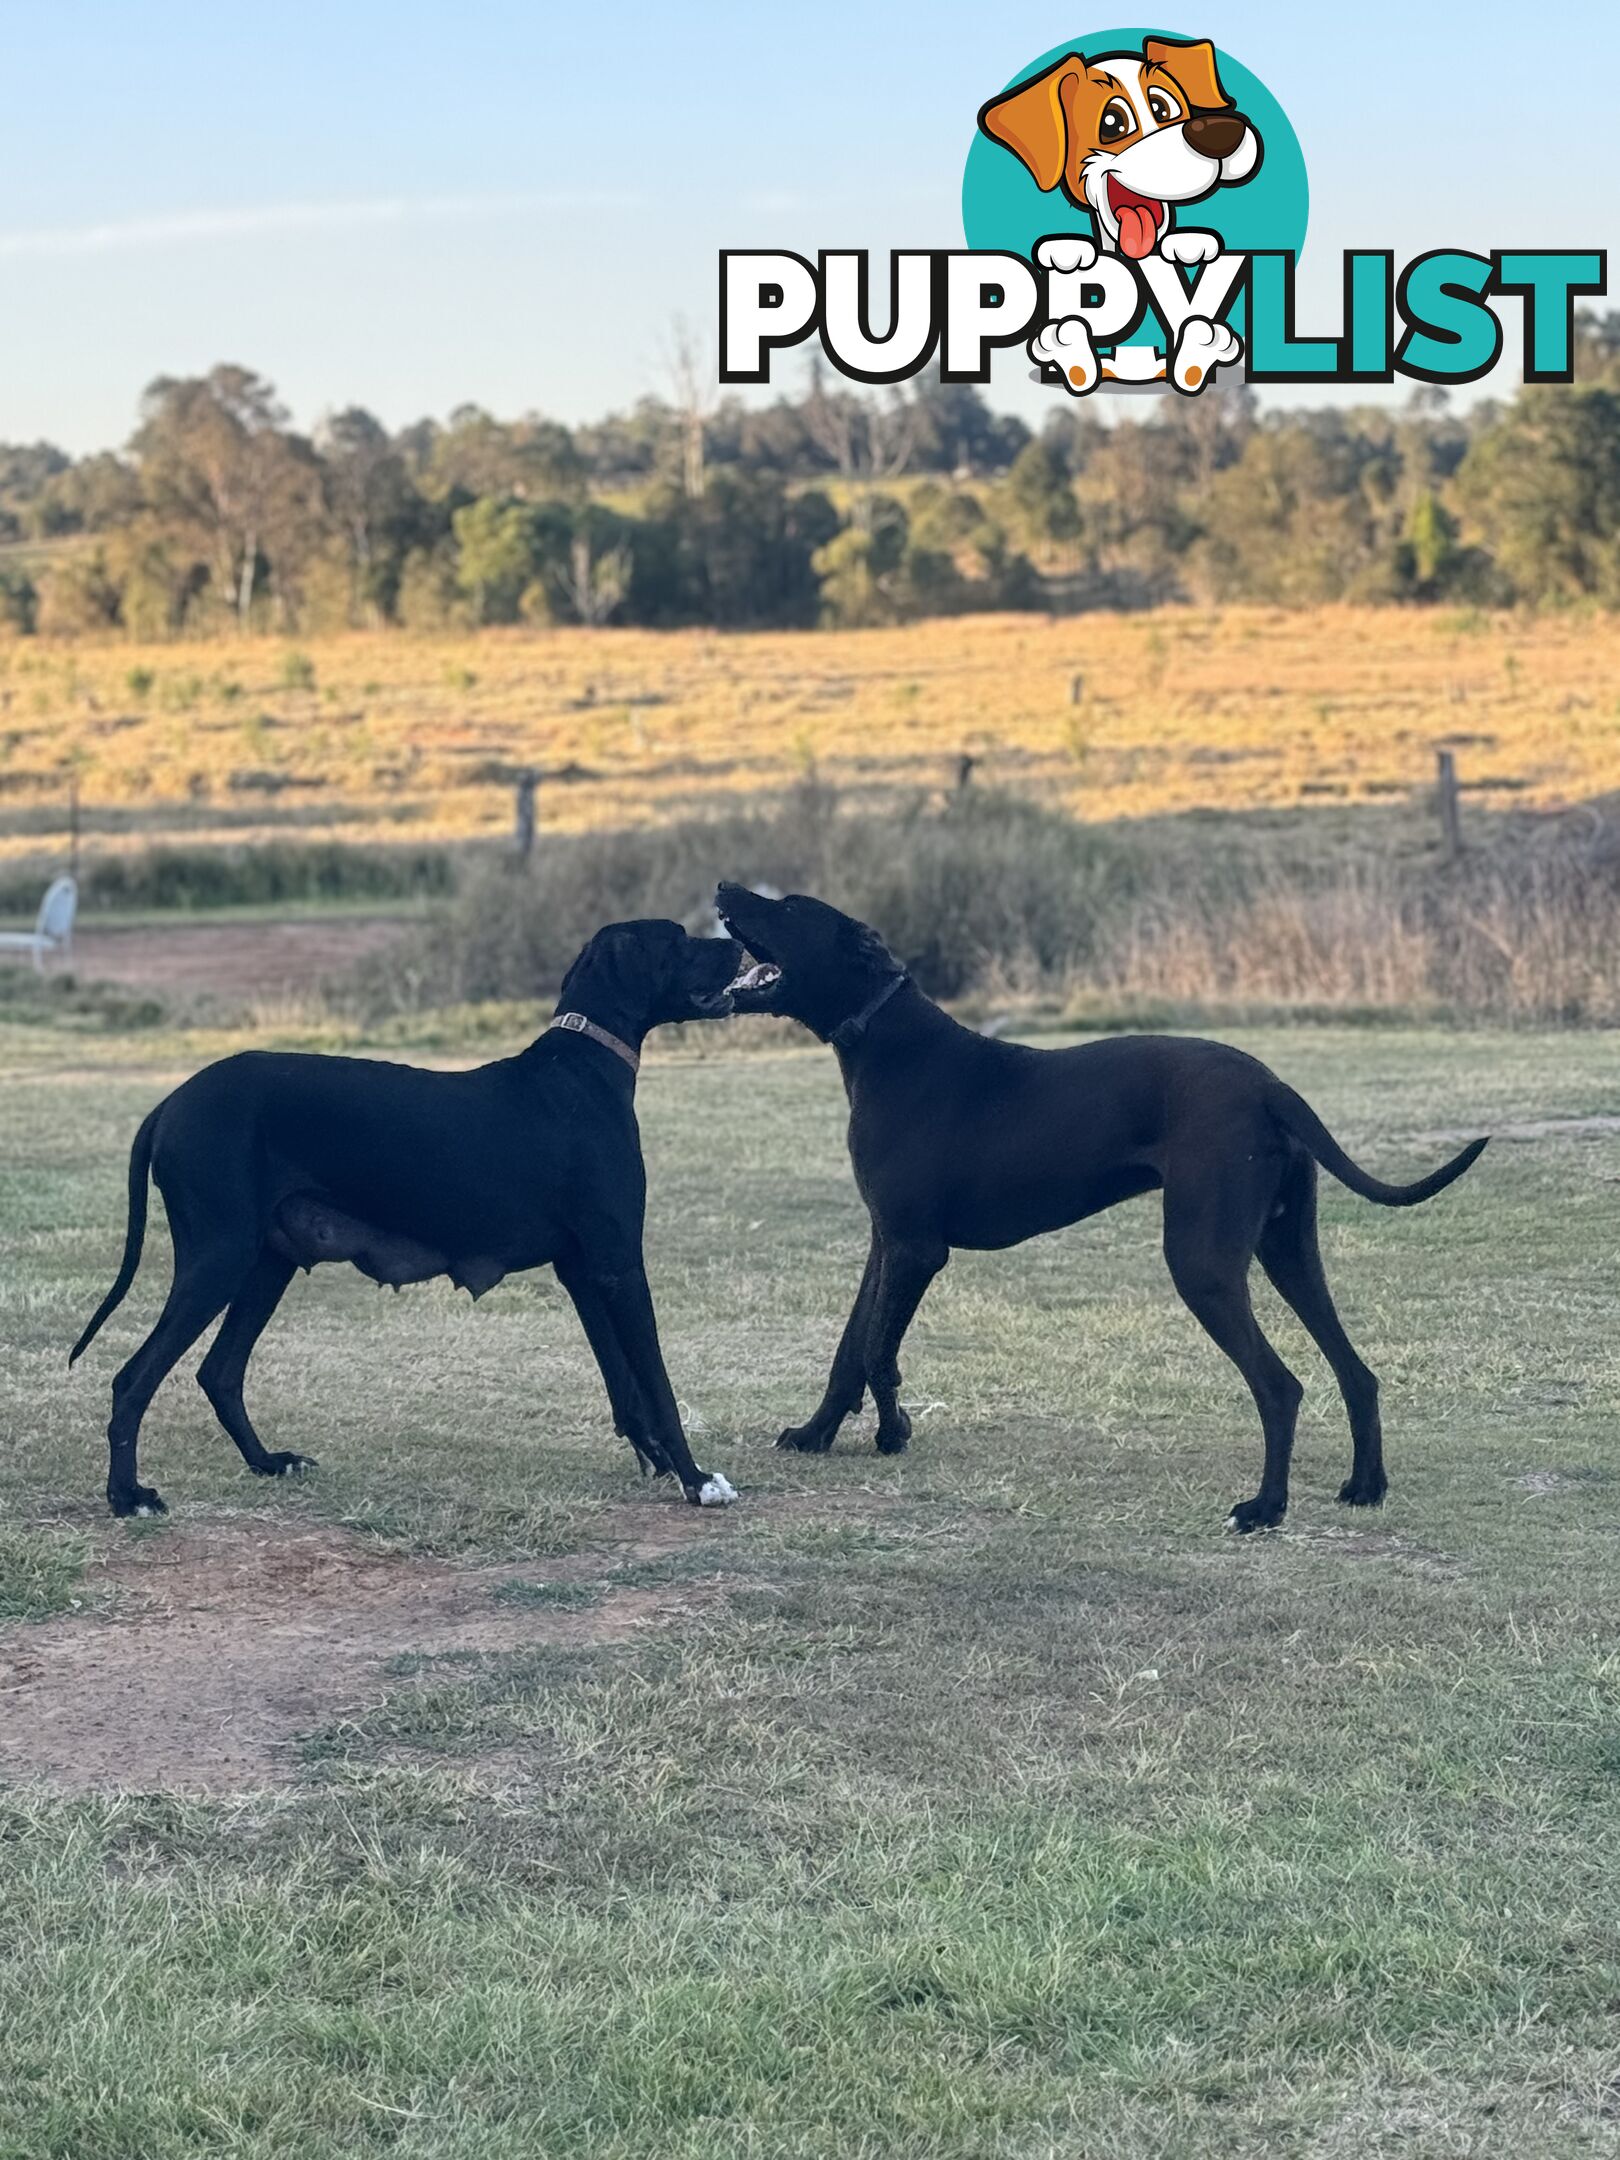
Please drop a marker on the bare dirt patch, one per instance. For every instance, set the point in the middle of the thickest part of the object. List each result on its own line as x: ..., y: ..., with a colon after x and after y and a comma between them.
x: 231, y: 962
x: 220, y: 1647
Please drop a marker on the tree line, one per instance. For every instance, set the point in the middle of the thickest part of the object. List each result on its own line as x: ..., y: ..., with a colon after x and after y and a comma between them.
x: 828, y: 506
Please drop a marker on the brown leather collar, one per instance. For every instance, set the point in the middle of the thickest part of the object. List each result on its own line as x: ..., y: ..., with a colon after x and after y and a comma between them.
x: 573, y: 1023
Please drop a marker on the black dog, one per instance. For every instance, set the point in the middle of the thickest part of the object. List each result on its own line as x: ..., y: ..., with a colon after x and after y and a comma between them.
x: 958, y: 1140
x: 270, y: 1162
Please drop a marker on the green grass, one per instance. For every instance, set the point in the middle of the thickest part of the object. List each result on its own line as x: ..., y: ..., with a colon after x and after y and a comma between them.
x: 985, y: 1803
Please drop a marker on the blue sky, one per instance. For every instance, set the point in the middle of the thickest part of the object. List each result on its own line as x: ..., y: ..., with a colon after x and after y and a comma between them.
x: 414, y: 205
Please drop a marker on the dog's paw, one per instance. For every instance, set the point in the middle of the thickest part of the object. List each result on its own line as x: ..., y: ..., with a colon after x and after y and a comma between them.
x: 1202, y: 347
x: 1190, y: 247
x: 805, y: 1440
x: 1256, y: 1514
x: 716, y: 1491
x: 136, y: 1500
x: 284, y: 1464
x: 1066, y: 345
x: 1066, y: 253
x: 894, y: 1438
x: 1364, y: 1491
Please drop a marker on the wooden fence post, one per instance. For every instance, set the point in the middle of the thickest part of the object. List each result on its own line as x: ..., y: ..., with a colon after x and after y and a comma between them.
x: 1077, y: 689
x: 1446, y: 801
x: 528, y: 782
x: 964, y: 770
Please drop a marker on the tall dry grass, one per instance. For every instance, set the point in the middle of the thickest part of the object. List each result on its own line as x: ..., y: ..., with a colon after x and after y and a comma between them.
x: 994, y: 897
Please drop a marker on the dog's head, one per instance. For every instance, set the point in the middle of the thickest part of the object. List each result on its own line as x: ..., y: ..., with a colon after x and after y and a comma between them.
x: 812, y: 964
x: 633, y: 976
x: 1128, y: 135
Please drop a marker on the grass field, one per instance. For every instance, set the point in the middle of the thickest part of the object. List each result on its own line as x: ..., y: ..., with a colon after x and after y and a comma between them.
x: 367, y: 737
x: 983, y: 1802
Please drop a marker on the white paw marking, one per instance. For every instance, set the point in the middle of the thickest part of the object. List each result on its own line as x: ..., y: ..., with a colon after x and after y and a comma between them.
x: 1202, y: 347
x: 1066, y: 345
x: 1066, y: 252
x: 716, y: 1491
x: 143, y: 1509
x: 1190, y: 247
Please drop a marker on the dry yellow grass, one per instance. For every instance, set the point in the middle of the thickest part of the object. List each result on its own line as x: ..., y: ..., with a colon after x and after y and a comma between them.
x: 1237, y: 708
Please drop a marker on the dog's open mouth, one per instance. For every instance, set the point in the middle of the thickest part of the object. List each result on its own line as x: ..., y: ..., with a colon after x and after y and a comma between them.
x: 1141, y: 218
x: 754, y: 977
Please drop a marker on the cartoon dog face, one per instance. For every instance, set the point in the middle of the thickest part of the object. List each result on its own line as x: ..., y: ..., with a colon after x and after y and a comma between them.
x: 1128, y: 135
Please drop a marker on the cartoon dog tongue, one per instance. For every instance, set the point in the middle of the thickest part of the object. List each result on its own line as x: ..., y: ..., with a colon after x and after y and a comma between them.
x: 1137, y: 227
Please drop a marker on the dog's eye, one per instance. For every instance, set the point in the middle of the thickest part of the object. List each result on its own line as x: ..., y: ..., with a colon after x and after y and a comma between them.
x: 1118, y: 120
x: 1163, y: 107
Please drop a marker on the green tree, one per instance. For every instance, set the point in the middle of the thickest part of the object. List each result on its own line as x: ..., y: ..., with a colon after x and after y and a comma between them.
x: 1041, y: 498
x: 1544, y: 487
x: 372, y: 503
x: 219, y: 469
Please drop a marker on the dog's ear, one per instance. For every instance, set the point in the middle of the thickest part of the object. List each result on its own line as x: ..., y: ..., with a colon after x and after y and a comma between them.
x: 1192, y: 62
x: 1032, y: 121
x: 871, y: 952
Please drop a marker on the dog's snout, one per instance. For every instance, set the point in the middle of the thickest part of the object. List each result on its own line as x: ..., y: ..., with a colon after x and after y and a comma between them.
x: 1216, y: 135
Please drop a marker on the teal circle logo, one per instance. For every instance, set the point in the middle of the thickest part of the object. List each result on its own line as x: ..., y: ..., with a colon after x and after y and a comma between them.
x: 1147, y: 121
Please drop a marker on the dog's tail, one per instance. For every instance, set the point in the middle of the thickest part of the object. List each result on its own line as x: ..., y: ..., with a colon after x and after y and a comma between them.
x: 1296, y: 1114
x: 140, y: 1163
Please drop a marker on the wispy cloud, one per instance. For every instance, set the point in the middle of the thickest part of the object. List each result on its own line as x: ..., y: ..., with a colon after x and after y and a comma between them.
x: 182, y: 228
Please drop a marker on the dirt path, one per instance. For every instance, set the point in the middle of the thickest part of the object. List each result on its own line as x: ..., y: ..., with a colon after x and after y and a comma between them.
x: 223, y: 1645
x: 231, y: 961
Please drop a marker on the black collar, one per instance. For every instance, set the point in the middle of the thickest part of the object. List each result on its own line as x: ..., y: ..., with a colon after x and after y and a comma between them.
x: 849, y: 1032
x: 575, y: 1023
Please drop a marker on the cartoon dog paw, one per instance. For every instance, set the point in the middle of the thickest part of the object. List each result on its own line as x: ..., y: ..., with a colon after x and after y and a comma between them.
x: 1202, y: 347
x: 1066, y: 345
x: 1066, y: 253
x: 1190, y: 247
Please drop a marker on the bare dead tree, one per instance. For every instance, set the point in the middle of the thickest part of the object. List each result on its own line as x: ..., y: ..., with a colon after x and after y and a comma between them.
x: 869, y: 440
x: 692, y: 381
x: 595, y: 584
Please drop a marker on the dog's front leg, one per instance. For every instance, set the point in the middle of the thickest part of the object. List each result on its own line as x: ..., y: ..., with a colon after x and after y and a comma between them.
x: 630, y: 1418
x: 627, y: 1302
x: 909, y: 1266
x: 846, y: 1383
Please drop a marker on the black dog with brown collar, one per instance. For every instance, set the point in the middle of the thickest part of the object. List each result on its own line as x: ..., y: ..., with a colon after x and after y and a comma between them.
x: 960, y: 1140
x: 268, y: 1162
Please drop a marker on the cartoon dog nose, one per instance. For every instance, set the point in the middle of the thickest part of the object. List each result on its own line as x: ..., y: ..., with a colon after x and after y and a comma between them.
x: 1216, y: 135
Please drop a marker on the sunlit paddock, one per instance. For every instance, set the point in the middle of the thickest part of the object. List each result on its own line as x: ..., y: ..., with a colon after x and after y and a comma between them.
x: 408, y: 737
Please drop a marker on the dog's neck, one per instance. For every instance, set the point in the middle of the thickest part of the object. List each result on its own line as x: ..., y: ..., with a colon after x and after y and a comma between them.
x: 581, y: 1024
x: 892, y: 1011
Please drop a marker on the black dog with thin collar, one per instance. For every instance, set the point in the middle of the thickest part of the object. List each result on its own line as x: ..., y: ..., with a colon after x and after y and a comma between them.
x: 270, y: 1161
x: 960, y: 1140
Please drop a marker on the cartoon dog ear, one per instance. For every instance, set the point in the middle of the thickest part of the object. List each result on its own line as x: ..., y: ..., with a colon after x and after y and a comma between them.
x: 1192, y: 62
x: 1031, y: 120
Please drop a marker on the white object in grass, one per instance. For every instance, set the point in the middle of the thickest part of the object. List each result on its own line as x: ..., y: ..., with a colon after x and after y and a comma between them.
x: 53, y: 925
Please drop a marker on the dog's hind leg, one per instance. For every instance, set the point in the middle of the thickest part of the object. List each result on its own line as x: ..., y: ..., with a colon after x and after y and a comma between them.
x: 846, y: 1383
x: 909, y: 1266
x: 630, y: 1419
x: 223, y: 1370
x: 1208, y: 1253
x: 1291, y: 1257
x: 206, y: 1278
